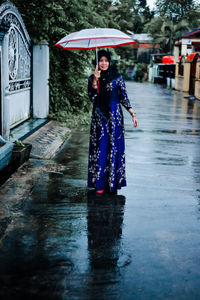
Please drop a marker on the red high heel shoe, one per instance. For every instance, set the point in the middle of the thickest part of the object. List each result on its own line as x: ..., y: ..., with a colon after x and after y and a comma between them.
x: 100, y: 191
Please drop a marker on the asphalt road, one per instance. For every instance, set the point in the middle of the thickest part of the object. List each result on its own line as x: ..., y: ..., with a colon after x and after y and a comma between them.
x: 144, y: 243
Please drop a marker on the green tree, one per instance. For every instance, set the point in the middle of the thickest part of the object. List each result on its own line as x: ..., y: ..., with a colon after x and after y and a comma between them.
x: 175, y: 10
x: 52, y: 20
x: 123, y: 14
x: 143, y: 9
x: 193, y: 16
x: 104, y: 10
x: 165, y: 32
x: 130, y: 15
x: 172, y: 20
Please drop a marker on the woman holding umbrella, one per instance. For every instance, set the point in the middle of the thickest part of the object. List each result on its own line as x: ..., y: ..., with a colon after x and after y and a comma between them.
x: 107, y: 91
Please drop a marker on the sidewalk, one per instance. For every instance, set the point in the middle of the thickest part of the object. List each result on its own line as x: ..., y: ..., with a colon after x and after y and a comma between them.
x: 46, y: 142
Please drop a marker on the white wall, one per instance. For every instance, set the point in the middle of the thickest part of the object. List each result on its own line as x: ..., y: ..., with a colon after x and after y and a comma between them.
x: 19, y: 107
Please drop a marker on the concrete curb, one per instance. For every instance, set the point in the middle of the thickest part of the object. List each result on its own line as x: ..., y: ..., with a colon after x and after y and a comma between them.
x: 47, y: 140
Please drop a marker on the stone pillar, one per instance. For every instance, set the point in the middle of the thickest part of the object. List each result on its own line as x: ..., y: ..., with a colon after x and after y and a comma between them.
x: 176, y: 53
x: 177, y: 87
x: 5, y: 87
x: 186, y: 81
x: 197, y: 81
x: 40, y: 80
x: 177, y: 69
x: 198, y: 69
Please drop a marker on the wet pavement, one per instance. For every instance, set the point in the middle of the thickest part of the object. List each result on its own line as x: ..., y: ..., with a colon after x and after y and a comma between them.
x: 144, y: 243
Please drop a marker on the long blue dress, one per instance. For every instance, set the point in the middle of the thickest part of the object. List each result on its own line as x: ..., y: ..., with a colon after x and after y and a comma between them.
x: 106, y: 166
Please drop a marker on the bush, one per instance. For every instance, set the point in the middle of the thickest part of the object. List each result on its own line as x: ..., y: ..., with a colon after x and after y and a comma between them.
x: 141, y: 72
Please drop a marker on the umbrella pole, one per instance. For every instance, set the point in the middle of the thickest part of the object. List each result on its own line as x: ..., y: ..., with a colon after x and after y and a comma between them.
x: 97, y: 69
x: 96, y: 57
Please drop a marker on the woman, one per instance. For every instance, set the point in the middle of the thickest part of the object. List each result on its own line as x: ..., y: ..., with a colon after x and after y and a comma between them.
x: 106, y: 89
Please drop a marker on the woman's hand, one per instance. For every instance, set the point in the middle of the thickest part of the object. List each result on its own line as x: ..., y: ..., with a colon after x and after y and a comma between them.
x: 97, y: 74
x: 135, y: 121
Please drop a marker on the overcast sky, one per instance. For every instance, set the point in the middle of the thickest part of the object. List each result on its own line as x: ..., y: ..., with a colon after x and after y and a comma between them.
x: 150, y: 3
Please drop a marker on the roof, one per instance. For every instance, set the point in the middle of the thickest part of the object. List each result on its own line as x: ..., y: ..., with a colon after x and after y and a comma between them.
x: 143, y: 40
x: 193, y: 33
x: 142, y: 37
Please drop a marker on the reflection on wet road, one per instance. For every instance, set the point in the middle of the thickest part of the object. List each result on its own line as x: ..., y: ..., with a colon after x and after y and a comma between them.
x: 144, y: 243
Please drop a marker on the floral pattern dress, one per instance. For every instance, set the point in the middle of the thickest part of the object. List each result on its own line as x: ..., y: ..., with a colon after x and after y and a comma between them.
x: 106, y: 166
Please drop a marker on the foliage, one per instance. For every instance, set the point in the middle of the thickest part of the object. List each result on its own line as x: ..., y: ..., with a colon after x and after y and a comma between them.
x: 141, y: 71
x: 123, y: 64
x: 19, y: 144
x: 104, y: 10
x: 165, y: 32
x: 130, y: 16
x: 51, y: 20
x: 72, y: 120
x: 172, y: 20
x: 176, y: 10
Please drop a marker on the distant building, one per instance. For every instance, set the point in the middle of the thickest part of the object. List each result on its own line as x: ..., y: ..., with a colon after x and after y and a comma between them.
x: 187, y: 44
x: 187, y: 58
x: 144, y: 47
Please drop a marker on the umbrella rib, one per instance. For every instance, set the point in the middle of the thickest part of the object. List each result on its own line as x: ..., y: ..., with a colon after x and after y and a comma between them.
x: 88, y: 43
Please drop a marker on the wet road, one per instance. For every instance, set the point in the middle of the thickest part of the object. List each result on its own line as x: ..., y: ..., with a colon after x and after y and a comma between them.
x: 144, y: 243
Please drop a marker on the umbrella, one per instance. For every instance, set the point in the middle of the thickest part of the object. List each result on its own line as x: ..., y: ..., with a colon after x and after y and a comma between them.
x: 94, y: 38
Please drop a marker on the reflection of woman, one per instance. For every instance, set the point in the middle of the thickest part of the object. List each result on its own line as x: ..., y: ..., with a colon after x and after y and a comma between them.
x: 105, y: 219
x: 106, y: 89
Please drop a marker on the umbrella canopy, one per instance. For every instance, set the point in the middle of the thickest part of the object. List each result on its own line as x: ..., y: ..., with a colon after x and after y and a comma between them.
x: 95, y: 38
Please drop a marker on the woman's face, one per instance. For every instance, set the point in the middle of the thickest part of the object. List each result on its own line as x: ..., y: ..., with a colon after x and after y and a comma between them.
x: 103, y: 63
